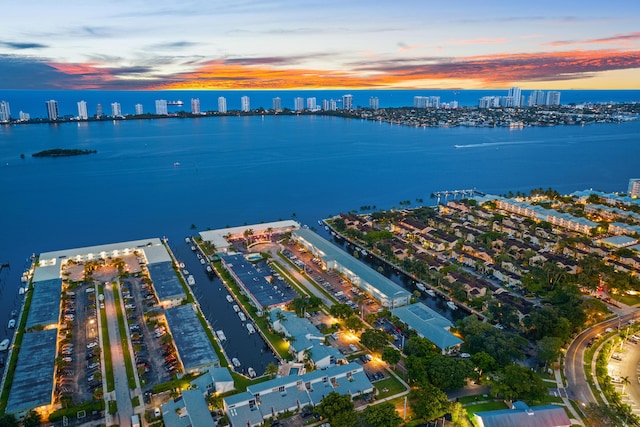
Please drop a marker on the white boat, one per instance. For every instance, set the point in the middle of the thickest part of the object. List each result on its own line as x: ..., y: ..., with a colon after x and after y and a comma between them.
x: 421, y: 287
x: 191, y: 281
x: 252, y: 372
x: 221, y: 336
x: 185, y: 272
x: 235, y: 362
x: 193, y: 248
x: 229, y: 298
x: 452, y: 305
x: 202, y: 261
x: 250, y: 328
x: 209, y: 270
x: 430, y: 292
x: 236, y: 308
x: 242, y: 316
x: 181, y: 265
x: 187, y: 240
x: 12, y: 324
x: 21, y: 291
x: 4, y: 345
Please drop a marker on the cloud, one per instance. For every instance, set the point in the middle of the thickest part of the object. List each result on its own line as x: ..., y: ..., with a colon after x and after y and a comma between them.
x: 477, y: 41
x: 275, y: 60
x: 20, y: 46
x: 620, y: 39
x: 174, y: 45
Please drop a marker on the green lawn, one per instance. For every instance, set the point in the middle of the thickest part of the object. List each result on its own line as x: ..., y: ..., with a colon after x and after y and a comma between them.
x: 627, y: 299
x: 391, y: 385
x: 124, y: 341
x: 106, y: 346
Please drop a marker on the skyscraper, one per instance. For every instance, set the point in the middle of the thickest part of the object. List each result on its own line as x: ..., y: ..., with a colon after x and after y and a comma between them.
x: 222, y: 104
x: 276, y: 104
x: 99, y: 110
x: 634, y: 187
x: 374, y: 103
x: 245, y: 104
x: 298, y: 104
x: 536, y: 98
x: 24, y: 117
x: 516, y: 95
x: 553, y: 98
x: 82, y: 110
x: 347, y: 102
x: 161, y: 107
x: 195, y: 105
x: 311, y: 104
x: 5, y: 111
x: 116, y: 110
x: 139, y: 109
x: 52, y: 109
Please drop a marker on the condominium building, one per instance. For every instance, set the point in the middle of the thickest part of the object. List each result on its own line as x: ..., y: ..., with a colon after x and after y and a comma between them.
x: 99, y: 110
x: 139, y: 109
x: 222, y: 104
x: 24, y: 117
x: 312, y: 104
x: 347, y: 102
x: 374, y: 103
x: 276, y: 104
x: 537, y: 97
x: 116, y: 109
x: 489, y: 102
x: 245, y: 104
x: 329, y: 105
x: 82, y: 110
x: 161, y: 107
x: 195, y: 105
x: 52, y: 109
x: 634, y: 187
x: 516, y: 95
x: 298, y: 104
x: 553, y: 98
x: 5, y: 111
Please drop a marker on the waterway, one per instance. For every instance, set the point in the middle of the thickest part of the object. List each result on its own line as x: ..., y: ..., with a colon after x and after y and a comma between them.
x: 154, y: 178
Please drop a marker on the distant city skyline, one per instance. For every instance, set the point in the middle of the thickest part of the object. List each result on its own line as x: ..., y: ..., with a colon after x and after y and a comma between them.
x: 408, y: 44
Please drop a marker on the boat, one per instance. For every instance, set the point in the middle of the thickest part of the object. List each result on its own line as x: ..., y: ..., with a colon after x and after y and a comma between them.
x: 176, y: 164
x: 187, y: 240
x: 185, y: 272
x: 229, y: 298
x: 430, y: 292
x: 421, y: 287
x: 452, y: 305
x: 236, y: 308
x: 191, y: 281
x: 21, y: 291
x: 252, y: 372
x: 242, y: 316
x: 181, y: 265
x: 221, y: 336
x: 235, y: 362
x: 12, y: 324
x: 202, y: 261
x: 193, y: 248
x: 250, y: 328
x: 4, y: 345
x: 209, y: 269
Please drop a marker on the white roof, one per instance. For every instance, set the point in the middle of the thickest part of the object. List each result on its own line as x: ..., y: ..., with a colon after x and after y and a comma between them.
x: 217, y: 236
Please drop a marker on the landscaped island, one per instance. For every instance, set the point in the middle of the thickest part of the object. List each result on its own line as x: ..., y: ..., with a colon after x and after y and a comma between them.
x: 62, y: 152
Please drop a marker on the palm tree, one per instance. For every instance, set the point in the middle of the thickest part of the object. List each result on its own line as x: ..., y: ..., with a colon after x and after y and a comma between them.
x: 625, y: 381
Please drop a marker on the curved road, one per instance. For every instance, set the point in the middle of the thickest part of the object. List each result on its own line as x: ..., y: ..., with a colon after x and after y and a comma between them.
x: 577, y: 385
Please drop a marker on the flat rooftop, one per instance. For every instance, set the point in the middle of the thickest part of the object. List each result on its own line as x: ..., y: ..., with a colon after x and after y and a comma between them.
x: 165, y: 281
x: 428, y: 324
x: 218, y: 237
x: 255, y: 282
x: 33, y: 380
x: 192, y: 342
x: 331, y: 252
x: 45, y: 303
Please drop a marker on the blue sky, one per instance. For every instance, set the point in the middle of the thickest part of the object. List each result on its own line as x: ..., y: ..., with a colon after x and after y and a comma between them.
x: 320, y: 44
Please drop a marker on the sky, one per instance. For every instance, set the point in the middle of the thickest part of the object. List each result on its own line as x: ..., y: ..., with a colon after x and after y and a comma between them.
x: 328, y: 44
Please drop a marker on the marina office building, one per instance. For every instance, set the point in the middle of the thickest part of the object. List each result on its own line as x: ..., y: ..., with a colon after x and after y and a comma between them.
x: 388, y: 293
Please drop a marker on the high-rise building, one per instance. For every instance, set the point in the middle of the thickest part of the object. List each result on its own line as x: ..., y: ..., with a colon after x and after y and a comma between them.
x: 634, y: 187
x: 24, y: 117
x: 116, y: 109
x: 222, y: 104
x: 347, y: 102
x: 329, y: 105
x: 82, y: 110
x: 489, y: 102
x: 161, y: 107
x: 298, y: 104
x: 516, y: 95
x: 311, y: 104
x: 276, y: 104
x: 420, y: 101
x: 5, y: 111
x: 139, y: 110
x: 195, y: 105
x: 374, y: 103
x: 553, y: 98
x: 245, y: 104
x: 453, y: 104
x: 537, y: 97
x: 52, y: 109
x: 99, y: 110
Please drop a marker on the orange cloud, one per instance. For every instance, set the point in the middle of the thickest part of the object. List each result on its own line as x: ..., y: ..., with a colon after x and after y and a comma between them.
x: 620, y: 39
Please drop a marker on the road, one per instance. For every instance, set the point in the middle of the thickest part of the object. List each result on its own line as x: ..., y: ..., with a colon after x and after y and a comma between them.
x: 577, y: 386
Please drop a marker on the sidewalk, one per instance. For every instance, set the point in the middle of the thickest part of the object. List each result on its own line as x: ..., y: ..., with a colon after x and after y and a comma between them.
x: 575, y: 417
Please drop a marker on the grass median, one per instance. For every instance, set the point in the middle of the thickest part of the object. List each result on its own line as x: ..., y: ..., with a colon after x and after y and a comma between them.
x: 124, y: 340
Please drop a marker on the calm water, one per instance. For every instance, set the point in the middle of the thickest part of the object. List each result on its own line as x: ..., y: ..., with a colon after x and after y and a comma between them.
x: 238, y: 170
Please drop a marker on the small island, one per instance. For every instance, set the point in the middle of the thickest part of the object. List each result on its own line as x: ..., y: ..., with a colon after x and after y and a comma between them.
x: 62, y: 152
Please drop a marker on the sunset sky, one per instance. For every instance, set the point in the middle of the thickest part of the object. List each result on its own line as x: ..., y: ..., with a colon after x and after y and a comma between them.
x: 328, y: 44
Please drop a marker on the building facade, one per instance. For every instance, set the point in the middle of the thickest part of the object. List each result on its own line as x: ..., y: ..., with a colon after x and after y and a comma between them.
x: 222, y: 104
x: 139, y: 109
x: 161, y: 107
x: 116, y: 109
x: 195, y: 105
x: 347, y: 102
x: 245, y: 104
x: 52, y: 109
x: 82, y: 110
x: 634, y: 187
x: 276, y: 104
x: 298, y: 104
x: 5, y: 111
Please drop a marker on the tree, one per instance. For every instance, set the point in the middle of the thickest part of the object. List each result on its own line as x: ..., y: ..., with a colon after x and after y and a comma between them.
x: 459, y: 416
x: 382, y: 415
x: 8, y: 420
x: 483, y: 362
x: 353, y: 323
x: 518, y: 382
x: 391, y: 355
x: 271, y: 370
x: 375, y: 339
x: 549, y: 349
x: 32, y: 419
x: 341, y: 311
x: 338, y: 409
x: 428, y: 402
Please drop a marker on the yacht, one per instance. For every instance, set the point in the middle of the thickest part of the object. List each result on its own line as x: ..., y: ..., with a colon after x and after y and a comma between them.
x: 250, y: 328
x: 421, y: 287
x: 430, y: 292
x: 4, y: 345
x: 235, y: 362
x: 236, y: 308
x: 221, y: 336
x: 452, y: 305
x: 191, y: 281
x: 242, y: 317
x: 252, y: 372
x: 12, y: 324
x: 229, y: 298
